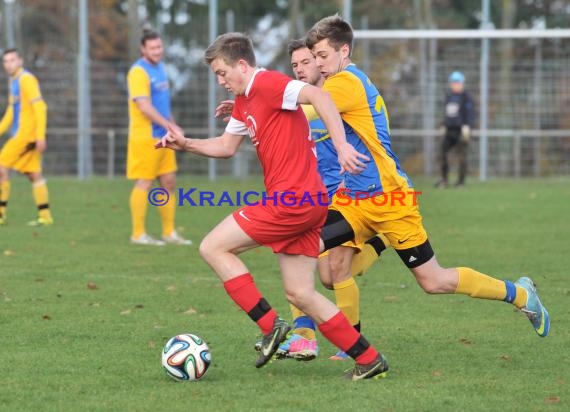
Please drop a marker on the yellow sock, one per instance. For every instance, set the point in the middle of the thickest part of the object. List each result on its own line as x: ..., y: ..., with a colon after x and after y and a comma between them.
x: 41, y: 197
x: 138, y: 203
x: 305, y: 332
x: 4, y: 196
x: 167, y: 213
x: 347, y: 297
x: 479, y: 285
x: 369, y: 254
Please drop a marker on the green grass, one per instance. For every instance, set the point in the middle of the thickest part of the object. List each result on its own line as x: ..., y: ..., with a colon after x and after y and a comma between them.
x: 65, y: 346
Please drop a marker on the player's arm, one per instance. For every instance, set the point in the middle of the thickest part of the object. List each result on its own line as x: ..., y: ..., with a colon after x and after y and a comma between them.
x: 7, y: 119
x: 223, y: 146
x: 31, y: 92
x: 139, y: 91
x: 349, y: 159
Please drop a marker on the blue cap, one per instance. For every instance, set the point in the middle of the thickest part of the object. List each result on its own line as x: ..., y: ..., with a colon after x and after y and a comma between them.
x: 456, y: 77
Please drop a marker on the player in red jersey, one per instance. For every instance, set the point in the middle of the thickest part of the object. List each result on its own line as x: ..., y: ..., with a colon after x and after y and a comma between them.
x: 267, y: 109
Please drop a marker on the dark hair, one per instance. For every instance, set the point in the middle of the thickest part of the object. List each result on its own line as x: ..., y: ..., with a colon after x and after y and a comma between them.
x: 10, y: 50
x: 295, y: 45
x: 333, y: 28
x: 149, y: 34
x: 231, y: 47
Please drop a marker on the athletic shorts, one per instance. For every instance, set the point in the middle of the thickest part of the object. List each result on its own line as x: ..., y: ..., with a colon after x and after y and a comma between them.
x: 396, y: 215
x: 20, y: 154
x: 146, y: 162
x: 292, y: 230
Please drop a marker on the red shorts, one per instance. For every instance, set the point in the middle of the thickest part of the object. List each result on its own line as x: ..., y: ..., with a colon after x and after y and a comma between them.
x: 292, y: 230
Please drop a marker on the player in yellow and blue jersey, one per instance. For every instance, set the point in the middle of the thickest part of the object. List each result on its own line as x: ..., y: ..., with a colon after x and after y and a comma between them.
x: 378, y: 182
x: 26, y: 117
x: 149, y: 117
x: 302, y: 343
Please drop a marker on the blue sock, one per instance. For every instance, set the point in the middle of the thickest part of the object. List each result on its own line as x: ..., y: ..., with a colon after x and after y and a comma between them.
x: 304, y: 322
x: 511, y: 291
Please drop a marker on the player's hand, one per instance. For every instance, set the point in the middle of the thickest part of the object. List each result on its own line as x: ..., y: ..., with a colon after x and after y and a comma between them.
x: 351, y: 160
x: 225, y: 109
x: 175, y: 127
x: 442, y: 131
x: 465, y: 133
x: 41, y: 146
x: 173, y: 139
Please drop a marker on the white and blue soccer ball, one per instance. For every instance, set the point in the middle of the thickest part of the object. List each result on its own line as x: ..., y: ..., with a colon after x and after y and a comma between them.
x: 186, y: 357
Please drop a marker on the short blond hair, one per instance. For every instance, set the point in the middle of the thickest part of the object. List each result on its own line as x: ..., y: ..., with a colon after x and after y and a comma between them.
x: 231, y: 47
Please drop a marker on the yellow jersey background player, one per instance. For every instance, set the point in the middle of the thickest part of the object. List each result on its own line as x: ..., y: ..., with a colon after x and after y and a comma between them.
x: 26, y: 117
x: 149, y: 117
x: 382, y: 180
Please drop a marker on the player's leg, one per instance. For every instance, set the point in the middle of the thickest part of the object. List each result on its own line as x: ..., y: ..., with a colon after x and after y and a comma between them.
x: 369, y: 252
x: 435, y: 279
x: 4, y: 193
x: 138, y: 203
x: 166, y: 171
x: 41, y: 198
x: 462, y: 149
x: 346, y: 291
x: 219, y: 249
x: 446, y: 146
x: 298, y: 281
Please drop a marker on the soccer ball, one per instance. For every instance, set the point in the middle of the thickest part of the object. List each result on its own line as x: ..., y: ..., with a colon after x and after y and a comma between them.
x: 186, y: 357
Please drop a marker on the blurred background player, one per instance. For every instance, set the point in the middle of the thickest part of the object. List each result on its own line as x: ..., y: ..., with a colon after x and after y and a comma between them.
x: 302, y: 343
x: 26, y: 116
x: 457, y: 124
x: 149, y: 117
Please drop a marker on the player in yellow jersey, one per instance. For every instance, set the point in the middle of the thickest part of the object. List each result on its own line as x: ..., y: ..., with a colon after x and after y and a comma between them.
x: 374, y: 203
x: 149, y: 117
x: 302, y: 343
x: 26, y: 118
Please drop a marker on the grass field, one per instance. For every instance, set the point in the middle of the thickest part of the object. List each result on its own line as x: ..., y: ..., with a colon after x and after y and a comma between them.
x: 84, y: 315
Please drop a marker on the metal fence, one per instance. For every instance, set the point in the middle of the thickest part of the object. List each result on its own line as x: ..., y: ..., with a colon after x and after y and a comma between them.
x: 529, y: 93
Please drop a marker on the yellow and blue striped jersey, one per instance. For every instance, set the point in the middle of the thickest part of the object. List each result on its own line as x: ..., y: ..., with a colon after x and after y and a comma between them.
x: 327, y: 156
x: 26, y: 115
x: 367, y: 128
x: 146, y: 80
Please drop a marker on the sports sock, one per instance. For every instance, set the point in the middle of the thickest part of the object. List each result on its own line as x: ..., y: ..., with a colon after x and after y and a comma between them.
x: 347, y: 296
x: 4, y: 196
x: 138, y: 203
x: 479, y: 285
x: 243, y: 291
x: 302, y: 324
x: 369, y: 254
x: 167, y: 213
x: 41, y: 197
x: 342, y: 334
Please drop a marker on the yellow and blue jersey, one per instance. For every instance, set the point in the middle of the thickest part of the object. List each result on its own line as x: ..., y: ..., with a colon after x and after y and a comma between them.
x: 367, y: 128
x: 327, y: 157
x: 26, y: 116
x: 146, y: 80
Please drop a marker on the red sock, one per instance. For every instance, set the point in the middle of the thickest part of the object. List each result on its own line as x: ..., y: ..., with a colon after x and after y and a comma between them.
x: 243, y: 291
x: 341, y: 333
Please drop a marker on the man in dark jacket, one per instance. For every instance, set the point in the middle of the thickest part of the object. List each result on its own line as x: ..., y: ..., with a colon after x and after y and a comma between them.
x: 458, y: 122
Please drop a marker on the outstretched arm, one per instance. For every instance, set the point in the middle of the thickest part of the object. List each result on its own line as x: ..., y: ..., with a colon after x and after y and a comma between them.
x: 223, y: 146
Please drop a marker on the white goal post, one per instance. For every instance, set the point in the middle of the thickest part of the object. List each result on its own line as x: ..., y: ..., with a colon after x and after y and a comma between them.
x: 484, y: 34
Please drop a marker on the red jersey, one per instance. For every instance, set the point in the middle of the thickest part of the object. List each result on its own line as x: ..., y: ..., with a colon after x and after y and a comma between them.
x: 278, y: 128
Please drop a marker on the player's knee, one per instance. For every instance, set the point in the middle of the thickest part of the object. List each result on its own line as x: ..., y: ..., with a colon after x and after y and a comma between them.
x: 298, y: 297
x: 207, y: 250
x: 339, y: 270
x: 431, y: 286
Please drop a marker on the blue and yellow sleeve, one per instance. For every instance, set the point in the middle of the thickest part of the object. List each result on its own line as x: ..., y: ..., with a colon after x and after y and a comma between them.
x: 138, y: 83
x: 31, y: 90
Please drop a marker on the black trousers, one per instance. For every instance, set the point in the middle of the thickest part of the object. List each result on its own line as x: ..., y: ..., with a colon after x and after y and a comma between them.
x: 452, y: 139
